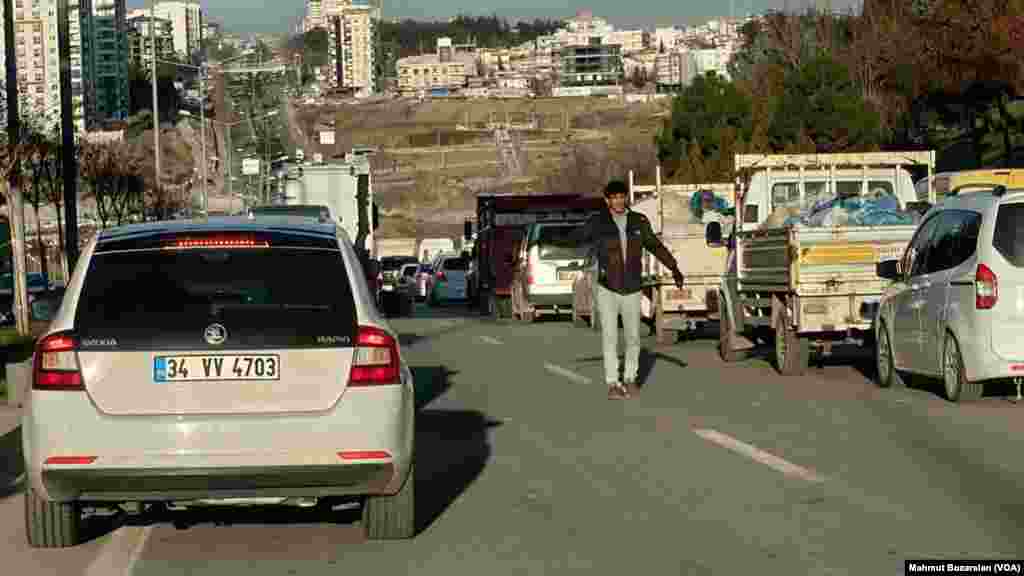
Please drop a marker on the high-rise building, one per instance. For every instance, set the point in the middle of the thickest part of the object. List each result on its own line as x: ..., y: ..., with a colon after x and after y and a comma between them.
x: 105, y: 54
x: 352, y: 31
x: 187, y: 22
x: 38, y: 61
x: 139, y: 49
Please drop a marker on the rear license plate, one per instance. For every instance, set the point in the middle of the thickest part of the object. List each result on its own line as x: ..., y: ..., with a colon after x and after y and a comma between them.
x: 219, y: 367
x: 567, y: 275
x: 387, y: 288
x: 679, y: 294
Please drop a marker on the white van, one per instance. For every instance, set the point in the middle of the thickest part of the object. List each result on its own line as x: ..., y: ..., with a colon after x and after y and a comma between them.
x: 546, y: 270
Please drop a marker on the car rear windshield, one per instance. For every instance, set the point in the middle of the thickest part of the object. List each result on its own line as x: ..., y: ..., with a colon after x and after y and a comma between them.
x: 1008, y: 238
x: 553, y: 244
x: 265, y: 298
x: 456, y: 264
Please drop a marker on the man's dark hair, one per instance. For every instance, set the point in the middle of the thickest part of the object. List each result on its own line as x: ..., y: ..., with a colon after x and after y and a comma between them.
x: 616, y: 187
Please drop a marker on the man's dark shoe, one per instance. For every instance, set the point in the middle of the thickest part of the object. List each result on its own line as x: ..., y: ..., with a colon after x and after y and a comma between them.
x: 617, y: 392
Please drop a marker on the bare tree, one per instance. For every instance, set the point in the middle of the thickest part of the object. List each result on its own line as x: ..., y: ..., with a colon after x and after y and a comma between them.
x: 114, y: 178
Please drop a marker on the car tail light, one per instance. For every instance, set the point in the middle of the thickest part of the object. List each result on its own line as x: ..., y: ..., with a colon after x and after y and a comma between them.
x: 440, y: 275
x: 364, y: 455
x: 70, y: 460
x: 56, y: 363
x: 529, y: 271
x: 217, y: 241
x: 986, y: 288
x: 376, y: 358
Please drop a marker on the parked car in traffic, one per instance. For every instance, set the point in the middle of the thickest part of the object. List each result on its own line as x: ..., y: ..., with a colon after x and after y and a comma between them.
x: 448, y: 282
x: 189, y: 366
x: 953, y: 308
x: 423, y: 274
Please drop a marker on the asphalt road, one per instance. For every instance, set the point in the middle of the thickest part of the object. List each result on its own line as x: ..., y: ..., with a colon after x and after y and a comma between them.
x: 525, y: 467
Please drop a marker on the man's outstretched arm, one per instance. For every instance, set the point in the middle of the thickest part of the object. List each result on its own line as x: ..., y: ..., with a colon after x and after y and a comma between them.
x: 655, y: 246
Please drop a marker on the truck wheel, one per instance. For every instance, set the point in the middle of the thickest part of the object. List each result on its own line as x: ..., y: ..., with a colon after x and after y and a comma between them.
x: 886, y: 374
x: 726, y: 349
x: 51, y: 524
x: 392, y: 517
x: 954, y: 377
x: 663, y: 335
x: 792, y: 353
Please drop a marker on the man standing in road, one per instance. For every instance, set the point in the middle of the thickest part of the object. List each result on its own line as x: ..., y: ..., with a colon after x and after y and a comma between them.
x: 619, y: 237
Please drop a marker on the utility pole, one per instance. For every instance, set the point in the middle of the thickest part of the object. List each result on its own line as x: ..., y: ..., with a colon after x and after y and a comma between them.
x: 202, y: 131
x: 67, y: 126
x: 13, y: 125
x: 156, y: 107
x: 17, y: 207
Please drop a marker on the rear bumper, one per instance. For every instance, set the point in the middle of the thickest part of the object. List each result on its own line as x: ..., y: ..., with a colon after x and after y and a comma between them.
x: 219, y: 456
x: 180, y: 483
x: 560, y: 300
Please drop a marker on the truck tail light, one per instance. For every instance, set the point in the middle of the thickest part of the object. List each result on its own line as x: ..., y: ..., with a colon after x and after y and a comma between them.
x: 56, y: 363
x: 986, y: 288
x: 375, y: 362
x: 440, y: 276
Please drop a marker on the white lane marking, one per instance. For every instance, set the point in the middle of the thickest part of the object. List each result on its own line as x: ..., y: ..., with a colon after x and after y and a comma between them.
x: 137, y: 551
x: 490, y: 340
x: 577, y: 378
x: 121, y: 552
x: 758, y: 455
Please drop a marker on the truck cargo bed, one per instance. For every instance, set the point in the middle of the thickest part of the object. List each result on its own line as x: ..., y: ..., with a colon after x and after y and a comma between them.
x: 829, y: 273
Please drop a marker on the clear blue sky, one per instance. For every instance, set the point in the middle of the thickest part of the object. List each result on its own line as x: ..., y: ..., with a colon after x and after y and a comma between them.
x: 255, y: 16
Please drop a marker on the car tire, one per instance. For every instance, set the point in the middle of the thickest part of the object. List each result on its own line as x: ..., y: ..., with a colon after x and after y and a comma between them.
x: 51, y: 524
x: 392, y: 517
x: 954, y: 380
x: 886, y: 375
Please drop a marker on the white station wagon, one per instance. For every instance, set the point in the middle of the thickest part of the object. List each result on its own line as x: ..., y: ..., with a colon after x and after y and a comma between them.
x: 227, y: 361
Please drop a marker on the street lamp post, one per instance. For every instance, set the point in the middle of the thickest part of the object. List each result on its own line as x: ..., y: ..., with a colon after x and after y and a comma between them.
x: 156, y: 108
x: 227, y: 126
x: 203, y: 70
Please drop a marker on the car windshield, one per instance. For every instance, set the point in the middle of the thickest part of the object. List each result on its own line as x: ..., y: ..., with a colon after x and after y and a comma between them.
x: 165, y: 299
x: 553, y: 244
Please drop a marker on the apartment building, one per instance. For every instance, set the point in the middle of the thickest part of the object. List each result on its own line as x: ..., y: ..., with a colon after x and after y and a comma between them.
x: 187, y: 25
x: 105, y: 54
x: 38, y: 62
x: 139, y: 46
x: 593, y: 64
x: 351, y: 47
x: 445, y: 69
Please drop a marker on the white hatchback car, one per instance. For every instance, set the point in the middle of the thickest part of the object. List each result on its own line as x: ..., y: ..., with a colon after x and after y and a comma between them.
x: 956, y: 306
x: 234, y: 361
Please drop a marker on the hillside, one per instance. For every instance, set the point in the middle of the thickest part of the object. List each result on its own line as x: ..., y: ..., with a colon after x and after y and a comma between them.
x: 435, y: 156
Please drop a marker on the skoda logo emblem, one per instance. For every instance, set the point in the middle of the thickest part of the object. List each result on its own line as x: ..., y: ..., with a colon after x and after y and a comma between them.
x: 215, y: 334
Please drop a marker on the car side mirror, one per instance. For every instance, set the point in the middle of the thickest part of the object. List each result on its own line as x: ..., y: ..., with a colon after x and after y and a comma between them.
x: 888, y: 269
x: 44, y: 308
x: 467, y: 230
x: 750, y: 214
x: 919, y: 207
x: 713, y: 234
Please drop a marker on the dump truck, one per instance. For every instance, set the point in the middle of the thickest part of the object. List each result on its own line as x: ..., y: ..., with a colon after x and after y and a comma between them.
x: 806, y: 286
x: 681, y: 226
x: 501, y: 220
